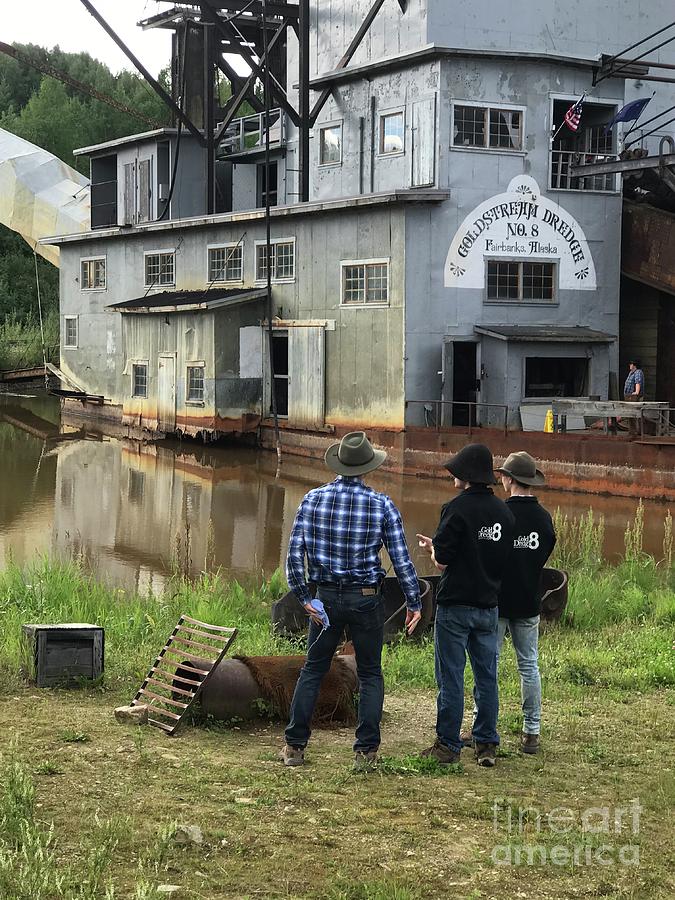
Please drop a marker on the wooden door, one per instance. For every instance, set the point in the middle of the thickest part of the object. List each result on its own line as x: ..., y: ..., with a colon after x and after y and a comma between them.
x: 306, y: 380
x: 423, y: 142
x: 166, y: 393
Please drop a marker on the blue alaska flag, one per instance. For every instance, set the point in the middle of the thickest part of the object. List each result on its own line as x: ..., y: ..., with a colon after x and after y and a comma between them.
x: 629, y: 113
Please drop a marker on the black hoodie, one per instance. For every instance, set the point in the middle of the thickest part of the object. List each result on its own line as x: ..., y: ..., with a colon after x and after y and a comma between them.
x: 473, y: 539
x: 533, y: 543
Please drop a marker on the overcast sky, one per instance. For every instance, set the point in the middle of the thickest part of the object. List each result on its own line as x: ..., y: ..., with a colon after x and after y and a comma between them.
x: 68, y: 24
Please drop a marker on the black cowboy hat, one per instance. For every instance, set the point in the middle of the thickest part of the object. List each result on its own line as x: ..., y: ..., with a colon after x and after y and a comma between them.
x: 354, y: 455
x: 473, y: 463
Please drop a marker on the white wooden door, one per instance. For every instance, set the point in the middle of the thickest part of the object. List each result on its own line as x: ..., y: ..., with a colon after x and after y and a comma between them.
x: 306, y: 383
x: 423, y: 142
x: 166, y: 393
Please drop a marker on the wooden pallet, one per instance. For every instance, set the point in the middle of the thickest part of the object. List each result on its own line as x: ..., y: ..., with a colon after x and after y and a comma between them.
x: 202, y: 647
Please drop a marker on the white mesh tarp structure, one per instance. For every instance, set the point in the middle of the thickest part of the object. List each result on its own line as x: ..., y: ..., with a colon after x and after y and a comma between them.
x: 40, y: 195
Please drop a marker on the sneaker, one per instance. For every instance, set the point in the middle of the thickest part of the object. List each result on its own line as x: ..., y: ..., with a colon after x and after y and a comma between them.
x: 365, y: 760
x: 486, y: 755
x: 443, y: 754
x: 466, y: 737
x: 292, y: 756
x: 529, y: 743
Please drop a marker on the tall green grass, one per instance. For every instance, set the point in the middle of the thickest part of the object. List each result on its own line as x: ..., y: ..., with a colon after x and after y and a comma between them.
x: 617, y: 629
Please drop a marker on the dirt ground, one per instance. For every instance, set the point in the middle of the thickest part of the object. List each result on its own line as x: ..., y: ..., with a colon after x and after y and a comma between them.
x: 325, y: 831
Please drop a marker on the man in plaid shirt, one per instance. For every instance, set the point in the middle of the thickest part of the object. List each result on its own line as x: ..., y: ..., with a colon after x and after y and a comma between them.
x: 339, y: 530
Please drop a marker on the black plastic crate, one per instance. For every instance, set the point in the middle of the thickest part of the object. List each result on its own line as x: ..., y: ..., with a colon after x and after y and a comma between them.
x: 63, y: 655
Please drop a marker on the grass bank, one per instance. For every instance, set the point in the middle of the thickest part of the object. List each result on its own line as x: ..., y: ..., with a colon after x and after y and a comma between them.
x: 91, y: 809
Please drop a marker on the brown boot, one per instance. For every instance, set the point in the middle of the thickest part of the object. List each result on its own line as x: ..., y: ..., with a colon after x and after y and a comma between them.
x: 365, y: 761
x: 466, y: 737
x: 529, y: 743
x: 440, y: 752
x: 292, y: 756
x: 486, y: 755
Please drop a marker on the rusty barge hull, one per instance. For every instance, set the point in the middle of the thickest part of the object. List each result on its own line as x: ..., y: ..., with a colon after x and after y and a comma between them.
x: 585, y: 463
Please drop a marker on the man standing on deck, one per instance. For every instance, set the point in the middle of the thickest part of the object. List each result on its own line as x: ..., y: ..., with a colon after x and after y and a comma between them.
x: 471, y: 547
x: 520, y: 594
x: 339, y: 530
x: 634, y: 390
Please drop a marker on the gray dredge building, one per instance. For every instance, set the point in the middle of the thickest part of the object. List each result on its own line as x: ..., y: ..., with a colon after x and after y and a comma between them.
x: 446, y: 250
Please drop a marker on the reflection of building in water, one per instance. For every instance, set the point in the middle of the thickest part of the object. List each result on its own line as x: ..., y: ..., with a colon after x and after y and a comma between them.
x: 135, y: 511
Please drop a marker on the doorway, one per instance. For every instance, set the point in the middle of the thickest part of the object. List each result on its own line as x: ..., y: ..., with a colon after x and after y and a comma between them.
x: 460, y: 382
x: 280, y: 364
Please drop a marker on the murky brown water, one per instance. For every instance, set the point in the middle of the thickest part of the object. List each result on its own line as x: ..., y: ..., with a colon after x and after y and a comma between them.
x: 131, y: 509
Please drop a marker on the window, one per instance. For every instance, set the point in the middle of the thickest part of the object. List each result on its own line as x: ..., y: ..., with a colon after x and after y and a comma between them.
x: 330, y: 145
x: 588, y: 145
x: 283, y: 261
x: 160, y: 268
x: 92, y: 274
x: 488, y: 128
x: 195, y: 384
x: 556, y: 377
x: 365, y: 282
x: 226, y: 263
x: 392, y: 134
x: 70, y: 332
x: 525, y: 282
x: 139, y: 379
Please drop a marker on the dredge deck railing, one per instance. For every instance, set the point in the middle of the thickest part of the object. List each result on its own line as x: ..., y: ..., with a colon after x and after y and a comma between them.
x: 440, y: 414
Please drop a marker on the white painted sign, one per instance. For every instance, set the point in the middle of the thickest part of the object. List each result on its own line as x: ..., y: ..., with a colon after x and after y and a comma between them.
x: 520, y: 225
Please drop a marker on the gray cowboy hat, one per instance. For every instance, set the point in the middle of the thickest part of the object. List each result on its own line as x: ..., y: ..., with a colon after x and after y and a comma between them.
x: 522, y: 468
x: 473, y: 463
x: 354, y: 455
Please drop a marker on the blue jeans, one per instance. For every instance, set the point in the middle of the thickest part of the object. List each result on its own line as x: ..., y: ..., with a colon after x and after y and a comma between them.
x: 365, y: 618
x: 525, y: 639
x: 460, y: 630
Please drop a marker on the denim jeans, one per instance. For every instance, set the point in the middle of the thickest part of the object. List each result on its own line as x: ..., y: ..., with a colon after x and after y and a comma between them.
x: 365, y: 618
x: 525, y: 638
x: 460, y: 630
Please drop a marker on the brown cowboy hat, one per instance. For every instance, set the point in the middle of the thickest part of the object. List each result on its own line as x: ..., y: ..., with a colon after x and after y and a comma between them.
x: 354, y: 455
x: 522, y: 468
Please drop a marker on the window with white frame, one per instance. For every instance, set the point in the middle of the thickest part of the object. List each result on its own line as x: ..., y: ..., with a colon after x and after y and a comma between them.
x: 70, y: 334
x: 226, y: 263
x: 330, y: 144
x: 283, y: 260
x: 365, y: 282
x: 139, y: 379
x: 487, y: 127
x: 92, y: 274
x: 520, y: 282
x: 160, y: 268
x: 195, y: 384
x: 392, y: 133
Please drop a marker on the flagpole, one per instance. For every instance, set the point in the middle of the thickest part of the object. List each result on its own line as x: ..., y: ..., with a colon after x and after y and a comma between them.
x: 580, y: 100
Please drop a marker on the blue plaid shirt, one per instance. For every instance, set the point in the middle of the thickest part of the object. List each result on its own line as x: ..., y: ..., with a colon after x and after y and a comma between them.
x: 634, y: 378
x: 340, y: 528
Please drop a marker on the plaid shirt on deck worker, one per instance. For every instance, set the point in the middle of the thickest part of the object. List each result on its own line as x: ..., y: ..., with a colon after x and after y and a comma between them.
x: 341, y: 527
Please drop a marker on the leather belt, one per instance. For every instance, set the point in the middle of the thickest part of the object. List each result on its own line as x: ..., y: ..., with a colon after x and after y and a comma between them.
x: 365, y: 591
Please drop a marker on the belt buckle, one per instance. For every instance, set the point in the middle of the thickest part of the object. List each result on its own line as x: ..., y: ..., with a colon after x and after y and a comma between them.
x: 368, y: 591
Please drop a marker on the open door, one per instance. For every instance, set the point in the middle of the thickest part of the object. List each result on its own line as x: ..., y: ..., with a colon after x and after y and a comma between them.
x: 306, y: 378
x: 166, y: 393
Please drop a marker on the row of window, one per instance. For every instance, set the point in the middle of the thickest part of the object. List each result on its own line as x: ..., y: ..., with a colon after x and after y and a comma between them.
x: 474, y: 126
x: 362, y: 281
x: 225, y: 265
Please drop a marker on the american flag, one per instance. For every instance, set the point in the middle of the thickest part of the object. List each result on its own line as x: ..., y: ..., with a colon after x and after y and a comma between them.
x: 573, y: 115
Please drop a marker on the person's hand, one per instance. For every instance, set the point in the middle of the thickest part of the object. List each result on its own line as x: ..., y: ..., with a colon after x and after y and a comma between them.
x: 425, y: 543
x: 411, y: 620
x: 313, y: 614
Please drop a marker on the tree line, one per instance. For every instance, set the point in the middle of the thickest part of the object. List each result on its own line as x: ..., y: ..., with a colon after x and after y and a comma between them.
x: 59, y: 119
